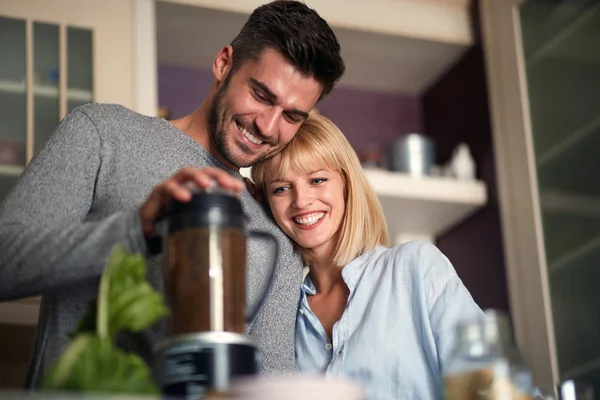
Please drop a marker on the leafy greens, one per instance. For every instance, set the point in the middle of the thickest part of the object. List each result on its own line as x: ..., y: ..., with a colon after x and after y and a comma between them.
x: 125, y: 302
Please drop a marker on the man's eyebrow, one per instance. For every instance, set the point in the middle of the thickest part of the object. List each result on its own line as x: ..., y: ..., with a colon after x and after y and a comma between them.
x: 273, y: 97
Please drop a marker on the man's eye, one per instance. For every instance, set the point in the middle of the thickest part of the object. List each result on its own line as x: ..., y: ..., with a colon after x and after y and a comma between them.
x: 292, y: 118
x: 261, y: 96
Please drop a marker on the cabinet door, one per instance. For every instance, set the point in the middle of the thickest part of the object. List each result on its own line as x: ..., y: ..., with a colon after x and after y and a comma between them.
x: 54, y: 56
x: 543, y: 60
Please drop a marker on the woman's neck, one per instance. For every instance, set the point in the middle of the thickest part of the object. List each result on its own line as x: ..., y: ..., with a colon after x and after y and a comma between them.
x: 325, y: 276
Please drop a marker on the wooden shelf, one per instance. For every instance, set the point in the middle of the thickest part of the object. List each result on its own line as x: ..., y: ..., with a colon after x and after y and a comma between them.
x: 424, y: 207
x: 20, y: 312
x: 12, y: 170
x: 45, y: 90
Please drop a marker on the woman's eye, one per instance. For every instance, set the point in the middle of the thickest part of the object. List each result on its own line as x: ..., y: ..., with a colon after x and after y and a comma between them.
x: 279, y: 190
x: 318, y: 181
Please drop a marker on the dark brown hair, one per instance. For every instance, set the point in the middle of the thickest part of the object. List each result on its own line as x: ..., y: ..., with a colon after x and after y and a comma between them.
x: 299, y: 34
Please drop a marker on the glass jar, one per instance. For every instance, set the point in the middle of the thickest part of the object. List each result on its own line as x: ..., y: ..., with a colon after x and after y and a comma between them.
x: 486, y: 363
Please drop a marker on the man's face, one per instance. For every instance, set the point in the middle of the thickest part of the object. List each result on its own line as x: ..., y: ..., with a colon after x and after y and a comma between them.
x: 258, y: 109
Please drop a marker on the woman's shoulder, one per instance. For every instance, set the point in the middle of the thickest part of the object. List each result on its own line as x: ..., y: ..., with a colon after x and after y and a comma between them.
x: 417, y: 257
x: 416, y: 250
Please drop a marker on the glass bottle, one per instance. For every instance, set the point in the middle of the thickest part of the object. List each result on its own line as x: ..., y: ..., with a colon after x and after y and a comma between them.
x: 486, y: 363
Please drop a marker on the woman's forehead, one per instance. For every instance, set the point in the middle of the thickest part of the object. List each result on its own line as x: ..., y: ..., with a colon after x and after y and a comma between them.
x: 280, y: 168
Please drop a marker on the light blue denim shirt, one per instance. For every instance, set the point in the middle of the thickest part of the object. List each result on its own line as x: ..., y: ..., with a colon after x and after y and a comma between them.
x: 398, y: 326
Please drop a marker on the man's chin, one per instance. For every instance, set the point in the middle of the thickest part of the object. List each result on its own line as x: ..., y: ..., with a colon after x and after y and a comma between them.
x: 246, y: 160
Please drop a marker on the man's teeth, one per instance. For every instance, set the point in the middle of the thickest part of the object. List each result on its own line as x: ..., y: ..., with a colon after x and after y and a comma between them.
x: 309, y: 219
x: 250, y: 136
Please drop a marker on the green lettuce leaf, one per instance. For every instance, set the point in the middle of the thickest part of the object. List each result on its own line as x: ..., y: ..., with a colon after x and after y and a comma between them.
x: 91, y: 364
x: 125, y: 302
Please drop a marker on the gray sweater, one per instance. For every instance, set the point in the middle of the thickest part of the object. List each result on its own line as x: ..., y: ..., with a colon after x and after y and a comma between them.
x: 80, y: 196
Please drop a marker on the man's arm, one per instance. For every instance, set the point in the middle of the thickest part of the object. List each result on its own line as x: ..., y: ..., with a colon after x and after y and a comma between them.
x: 44, y: 242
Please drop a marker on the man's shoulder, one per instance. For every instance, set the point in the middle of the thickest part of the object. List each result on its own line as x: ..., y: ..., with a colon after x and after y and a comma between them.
x: 105, y: 110
x: 119, y: 123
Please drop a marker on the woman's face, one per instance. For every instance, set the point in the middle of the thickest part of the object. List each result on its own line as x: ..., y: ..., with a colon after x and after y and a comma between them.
x: 309, y: 208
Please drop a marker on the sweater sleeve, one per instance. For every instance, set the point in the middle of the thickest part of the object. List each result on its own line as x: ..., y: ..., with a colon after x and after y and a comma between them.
x: 45, y: 241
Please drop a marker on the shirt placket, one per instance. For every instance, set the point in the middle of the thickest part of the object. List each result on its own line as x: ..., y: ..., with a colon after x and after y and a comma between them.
x: 316, y: 324
x: 340, y: 336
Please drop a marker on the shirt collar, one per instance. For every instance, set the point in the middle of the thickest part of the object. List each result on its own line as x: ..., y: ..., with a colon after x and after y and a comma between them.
x: 308, y: 287
x: 350, y: 274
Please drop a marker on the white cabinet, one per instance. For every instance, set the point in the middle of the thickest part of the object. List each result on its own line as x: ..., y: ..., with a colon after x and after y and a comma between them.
x: 543, y: 61
x: 54, y: 56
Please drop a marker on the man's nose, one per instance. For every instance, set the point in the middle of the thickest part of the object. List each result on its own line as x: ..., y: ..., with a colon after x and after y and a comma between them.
x: 268, y: 121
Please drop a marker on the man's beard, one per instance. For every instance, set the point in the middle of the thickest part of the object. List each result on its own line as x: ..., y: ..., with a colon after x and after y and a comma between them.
x: 217, y: 120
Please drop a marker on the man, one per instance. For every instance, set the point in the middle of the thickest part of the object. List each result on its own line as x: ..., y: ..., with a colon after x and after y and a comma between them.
x: 85, y: 191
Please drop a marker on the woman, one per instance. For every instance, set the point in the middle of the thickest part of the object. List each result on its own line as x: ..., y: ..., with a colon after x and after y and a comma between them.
x: 383, y: 316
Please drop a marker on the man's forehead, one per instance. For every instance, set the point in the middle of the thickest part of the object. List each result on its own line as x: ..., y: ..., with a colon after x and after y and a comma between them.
x: 273, y: 72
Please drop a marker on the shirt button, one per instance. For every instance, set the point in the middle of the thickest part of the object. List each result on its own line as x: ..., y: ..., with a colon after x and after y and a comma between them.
x: 328, y: 346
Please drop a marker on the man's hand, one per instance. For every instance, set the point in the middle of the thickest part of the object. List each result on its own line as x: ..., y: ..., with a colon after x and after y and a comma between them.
x: 178, y: 187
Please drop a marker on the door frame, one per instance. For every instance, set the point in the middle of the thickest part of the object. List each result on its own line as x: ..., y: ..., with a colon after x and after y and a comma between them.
x: 523, y: 238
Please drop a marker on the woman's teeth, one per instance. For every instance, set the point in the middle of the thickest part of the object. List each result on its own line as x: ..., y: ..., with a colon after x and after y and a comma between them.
x: 249, y: 136
x: 309, y: 219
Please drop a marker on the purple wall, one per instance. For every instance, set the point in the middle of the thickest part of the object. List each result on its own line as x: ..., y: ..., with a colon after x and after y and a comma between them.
x: 370, y: 117
x: 364, y: 117
x: 182, y: 89
x: 456, y: 110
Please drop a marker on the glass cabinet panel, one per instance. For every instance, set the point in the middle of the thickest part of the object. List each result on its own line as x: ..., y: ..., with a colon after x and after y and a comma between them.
x: 12, y: 96
x: 46, y: 72
x: 561, y: 46
x: 79, y: 65
x: 43, y: 101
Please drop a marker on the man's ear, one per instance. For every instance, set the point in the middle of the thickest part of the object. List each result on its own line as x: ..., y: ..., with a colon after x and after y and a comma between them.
x: 223, y: 63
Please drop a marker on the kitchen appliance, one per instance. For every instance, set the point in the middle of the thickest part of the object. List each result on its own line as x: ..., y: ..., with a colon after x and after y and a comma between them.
x: 204, y: 252
x: 413, y: 154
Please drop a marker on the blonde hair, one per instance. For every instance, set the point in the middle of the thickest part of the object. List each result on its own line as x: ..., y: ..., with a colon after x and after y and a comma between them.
x: 319, y: 141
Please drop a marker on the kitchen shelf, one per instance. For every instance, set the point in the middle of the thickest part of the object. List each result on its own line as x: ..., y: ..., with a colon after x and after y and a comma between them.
x: 13, y: 170
x: 20, y: 312
x: 423, y: 208
x: 45, y: 90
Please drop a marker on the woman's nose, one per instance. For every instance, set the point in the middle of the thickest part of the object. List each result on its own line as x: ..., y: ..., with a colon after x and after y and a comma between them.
x: 303, y: 199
